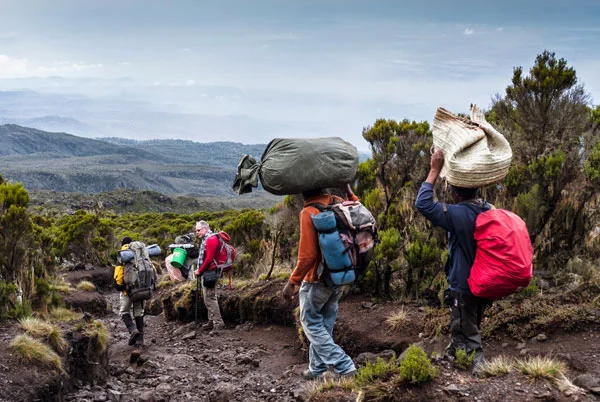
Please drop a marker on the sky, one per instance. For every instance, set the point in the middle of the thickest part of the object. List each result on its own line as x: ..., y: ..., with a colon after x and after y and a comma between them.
x: 288, y: 68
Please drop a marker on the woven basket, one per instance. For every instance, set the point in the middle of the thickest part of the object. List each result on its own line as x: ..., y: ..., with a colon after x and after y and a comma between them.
x: 475, y: 154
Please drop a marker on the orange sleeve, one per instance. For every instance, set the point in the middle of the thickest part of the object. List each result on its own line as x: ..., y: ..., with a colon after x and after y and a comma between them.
x: 308, y: 248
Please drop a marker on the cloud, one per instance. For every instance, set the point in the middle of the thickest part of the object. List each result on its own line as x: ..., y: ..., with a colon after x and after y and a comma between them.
x: 186, y: 50
x: 190, y: 83
x: 500, y: 29
x: 6, y: 35
x: 64, y: 67
x: 10, y: 67
x: 468, y: 31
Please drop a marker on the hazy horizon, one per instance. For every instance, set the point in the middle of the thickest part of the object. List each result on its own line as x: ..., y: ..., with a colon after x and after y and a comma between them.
x: 251, y: 71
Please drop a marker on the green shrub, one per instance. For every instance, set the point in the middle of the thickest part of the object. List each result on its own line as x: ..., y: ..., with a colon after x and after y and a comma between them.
x: 463, y: 359
x: 416, y: 366
x: 381, y: 370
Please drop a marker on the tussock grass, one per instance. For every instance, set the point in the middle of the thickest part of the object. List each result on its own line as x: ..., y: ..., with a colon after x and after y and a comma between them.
x: 43, y: 329
x: 97, y: 329
x: 397, y: 320
x: 31, y: 350
x: 498, y: 366
x: 86, y: 286
x: 59, y: 284
x: 312, y: 388
x: 541, y: 367
x: 61, y: 314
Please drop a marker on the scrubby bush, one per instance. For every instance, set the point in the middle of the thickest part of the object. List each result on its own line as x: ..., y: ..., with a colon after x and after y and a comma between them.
x: 416, y: 366
x: 381, y: 370
x: 463, y: 359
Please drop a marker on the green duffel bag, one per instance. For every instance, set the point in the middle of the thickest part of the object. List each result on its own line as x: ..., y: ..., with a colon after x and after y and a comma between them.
x: 294, y: 165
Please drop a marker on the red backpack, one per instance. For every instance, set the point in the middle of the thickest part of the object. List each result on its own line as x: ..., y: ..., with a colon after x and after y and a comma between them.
x: 504, y: 257
x: 226, y: 255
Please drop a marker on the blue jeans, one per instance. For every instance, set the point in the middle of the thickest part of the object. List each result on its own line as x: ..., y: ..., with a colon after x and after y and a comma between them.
x: 318, y: 311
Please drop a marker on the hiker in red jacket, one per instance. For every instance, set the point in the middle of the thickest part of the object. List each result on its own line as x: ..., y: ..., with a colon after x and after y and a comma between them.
x: 208, y: 270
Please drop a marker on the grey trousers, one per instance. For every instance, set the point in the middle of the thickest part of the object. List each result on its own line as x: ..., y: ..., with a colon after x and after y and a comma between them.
x: 212, y: 305
x: 466, y: 314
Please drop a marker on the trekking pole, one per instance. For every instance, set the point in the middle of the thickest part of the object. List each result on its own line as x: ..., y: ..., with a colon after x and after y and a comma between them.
x: 196, y: 303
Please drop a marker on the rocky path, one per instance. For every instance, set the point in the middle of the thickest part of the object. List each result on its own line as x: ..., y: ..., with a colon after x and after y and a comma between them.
x: 183, y: 363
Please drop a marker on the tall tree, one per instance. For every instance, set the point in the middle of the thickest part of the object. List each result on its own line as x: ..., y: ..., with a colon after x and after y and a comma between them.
x: 545, y: 115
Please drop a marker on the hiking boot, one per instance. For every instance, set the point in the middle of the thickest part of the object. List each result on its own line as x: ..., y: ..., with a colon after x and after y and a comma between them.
x: 349, y: 374
x: 309, y: 375
x: 131, y: 327
x: 133, y: 337
x: 139, y: 323
x: 209, y: 326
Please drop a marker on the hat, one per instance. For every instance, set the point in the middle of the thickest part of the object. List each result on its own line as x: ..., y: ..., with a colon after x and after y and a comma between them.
x: 126, y: 240
x: 465, y: 191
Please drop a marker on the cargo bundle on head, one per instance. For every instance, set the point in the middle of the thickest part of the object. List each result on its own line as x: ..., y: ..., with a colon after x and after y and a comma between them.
x: 295, y: 165
x: 475, y: 153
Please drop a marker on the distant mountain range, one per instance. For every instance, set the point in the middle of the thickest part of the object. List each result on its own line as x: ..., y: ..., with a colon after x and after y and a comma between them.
x: 67, y: 163
x: 63, y: 162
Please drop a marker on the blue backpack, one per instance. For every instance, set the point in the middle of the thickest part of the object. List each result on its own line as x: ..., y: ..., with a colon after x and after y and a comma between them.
x: 347, y: 235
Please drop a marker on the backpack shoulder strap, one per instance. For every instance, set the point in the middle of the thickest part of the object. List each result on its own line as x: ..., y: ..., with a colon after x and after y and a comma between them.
x: 320, y: 206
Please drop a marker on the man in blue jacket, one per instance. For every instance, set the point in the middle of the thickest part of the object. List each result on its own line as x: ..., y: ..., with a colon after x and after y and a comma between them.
x: 459, y: 220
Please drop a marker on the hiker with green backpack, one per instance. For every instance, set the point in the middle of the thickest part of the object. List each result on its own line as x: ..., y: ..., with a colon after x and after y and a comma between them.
x: 318, y: 301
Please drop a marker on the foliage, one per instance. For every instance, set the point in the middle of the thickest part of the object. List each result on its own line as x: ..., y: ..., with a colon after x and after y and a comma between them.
x: 463, y: 359
x: 15, y: 230
x: 546, y: 117
x: 416, y: 366
x: 381, y: 370
x: 30, y: 350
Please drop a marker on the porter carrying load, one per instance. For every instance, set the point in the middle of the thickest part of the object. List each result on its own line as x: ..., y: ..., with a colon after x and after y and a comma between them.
x: 294, y: 165
x: 475, y: 154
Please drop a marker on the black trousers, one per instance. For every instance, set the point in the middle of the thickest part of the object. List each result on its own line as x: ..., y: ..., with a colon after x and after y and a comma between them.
x: 466, y: 314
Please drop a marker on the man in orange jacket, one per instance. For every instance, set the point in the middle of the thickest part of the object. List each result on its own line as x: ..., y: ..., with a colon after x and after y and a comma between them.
x: 318, y: 303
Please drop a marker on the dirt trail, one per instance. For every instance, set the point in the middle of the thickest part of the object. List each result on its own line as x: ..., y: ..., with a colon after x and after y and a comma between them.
x: 181, y: 362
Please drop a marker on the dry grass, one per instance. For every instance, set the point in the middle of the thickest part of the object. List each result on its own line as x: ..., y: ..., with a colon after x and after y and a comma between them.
x: 86, y: 286
x: 566, y: 386
x: 30, y: 350
x: 312, y: 388
x: 541, y: 367
x: 43, y: 329
x: 499, y: 365
x: 61, y: 314
x: 397, y: 320
x: 97, y: 329
x: 59, y: 284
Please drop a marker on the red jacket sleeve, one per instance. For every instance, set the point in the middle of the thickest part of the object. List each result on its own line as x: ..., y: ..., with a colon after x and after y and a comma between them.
x: 210, y: 253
